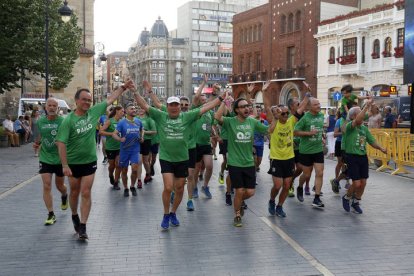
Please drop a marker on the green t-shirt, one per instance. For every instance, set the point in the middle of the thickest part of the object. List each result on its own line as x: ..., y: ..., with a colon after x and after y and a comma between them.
x: 357, y: 138
x: 174, y: 133
x: 240, y: 140
x: 78, y: 133
x: 111, y: 143
x: 203, y: 128
x: 223, y: 133
x: 148, y: 124
x: 311, y: 144
x: 348, y: 102
x: 48, y: 129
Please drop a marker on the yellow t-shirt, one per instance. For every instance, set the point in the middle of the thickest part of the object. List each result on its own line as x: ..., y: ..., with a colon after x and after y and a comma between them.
x: 281, y: 140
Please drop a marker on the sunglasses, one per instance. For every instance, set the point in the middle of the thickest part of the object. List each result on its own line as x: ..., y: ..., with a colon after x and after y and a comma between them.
x: 244, y: 106
x: 184, y: 104
x: 284, y: 113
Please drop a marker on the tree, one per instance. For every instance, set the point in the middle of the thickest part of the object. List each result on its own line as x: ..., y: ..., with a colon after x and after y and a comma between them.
x: 22, y: 47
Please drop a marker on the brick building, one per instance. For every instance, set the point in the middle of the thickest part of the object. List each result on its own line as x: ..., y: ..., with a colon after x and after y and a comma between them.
x: 276, y: 42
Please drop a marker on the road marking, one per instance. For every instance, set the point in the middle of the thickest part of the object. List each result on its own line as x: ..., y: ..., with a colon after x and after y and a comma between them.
x: 18, y: 186
x: 314, y: 262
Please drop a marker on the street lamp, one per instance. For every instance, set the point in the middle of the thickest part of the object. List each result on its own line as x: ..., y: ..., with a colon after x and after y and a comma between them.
x: 100, y: 47
x: 65, y: 12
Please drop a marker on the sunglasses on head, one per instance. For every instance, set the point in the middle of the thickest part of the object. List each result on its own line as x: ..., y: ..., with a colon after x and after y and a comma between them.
x: 244, y: 106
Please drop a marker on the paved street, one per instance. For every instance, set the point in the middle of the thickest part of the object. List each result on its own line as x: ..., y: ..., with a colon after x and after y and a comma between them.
x: 126, y: 239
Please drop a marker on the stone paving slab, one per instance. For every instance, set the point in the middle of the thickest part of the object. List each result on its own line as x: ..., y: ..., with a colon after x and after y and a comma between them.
x: 126, y: 239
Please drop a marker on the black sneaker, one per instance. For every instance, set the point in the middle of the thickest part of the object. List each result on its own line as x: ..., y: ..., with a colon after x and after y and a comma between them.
x: 105, y: 161
x: 317, y: 202
x: 299, y: 193
x: 111, y: 179
x: 82, y: 232
x: 126, y: 193
x: 76, y: 222
x: 133, y: 191
x: 228, y: 199
x: 116, y: 186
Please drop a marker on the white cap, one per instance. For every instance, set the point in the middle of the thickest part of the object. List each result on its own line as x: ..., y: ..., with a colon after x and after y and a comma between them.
x: 173, y: 99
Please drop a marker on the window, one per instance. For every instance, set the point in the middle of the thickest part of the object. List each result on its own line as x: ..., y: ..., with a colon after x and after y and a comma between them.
x: 161, y: 77
x: 178, y: 91
x: 178, y: 65
x: 255, y: 34
x: 387, y: 47
x: 241, y: 37
x: 298, y: 20
x: 376, y: 49
x: 283, y: 24
x: 291, y: 51
x: 241, y: 64
x: 154, y: 65
x: 363, y: 50
x: 178, y: 53
x: 260, y: 35
x: 162, y: 64
x: 162, y: 53
x: 350, y: 46
x: 331, y: 55
x: 258, y: 62
x: 154, y: 77
x: 154, y: 52
x: 249, y: 63
x: 400, y: 38
x: 161, y: 91
x: 290, y: 23
x: 245, y: 39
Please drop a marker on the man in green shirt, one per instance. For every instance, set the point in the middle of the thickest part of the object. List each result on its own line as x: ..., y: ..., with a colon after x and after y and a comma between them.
x: 240, y: 133
x: 77, y: 150
x: 49, y: 161
x: 357, y: 135
x: 310, y: 129
x: 173, y: 129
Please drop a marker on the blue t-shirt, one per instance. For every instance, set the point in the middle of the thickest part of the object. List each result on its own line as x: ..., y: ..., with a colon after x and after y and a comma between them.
x: 338, y: 125
x: 102, y: 120
x: 331, y: 125
x: 17, y: 125
x: 132, y: 133
x: 389, y: 120
x: 258, y: 137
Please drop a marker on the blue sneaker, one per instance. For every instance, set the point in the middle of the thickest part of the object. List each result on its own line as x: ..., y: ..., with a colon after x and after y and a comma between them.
x: 345, y: 203
x: 190, y: 205
x: 355, y: 205
x: 280, y: 212
x: 165, y: 221
x: 195, y: 192
x: 173, y: 219
x: 206, y: 191
x: 271, y: 207
x: 172, y: 197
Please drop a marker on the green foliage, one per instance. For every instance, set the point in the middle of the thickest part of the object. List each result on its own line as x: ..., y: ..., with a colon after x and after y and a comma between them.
x: 22, y: 43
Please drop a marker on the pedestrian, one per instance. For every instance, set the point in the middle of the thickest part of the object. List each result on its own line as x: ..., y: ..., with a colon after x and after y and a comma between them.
x: 10, y: 132
x: 77, y: 150
x: 340, y: 168
x: 330, y: 126
x: 112, y: 146
x: 374, y: 117
x: 240, y: 130
x: 310, y: 129
x: 150, y: 130
x: 129, y: 132
x: 174, y: 130
x: 49, y: 162
x: 102, y: 138
x: 357, y: 135
x: 389, y: 119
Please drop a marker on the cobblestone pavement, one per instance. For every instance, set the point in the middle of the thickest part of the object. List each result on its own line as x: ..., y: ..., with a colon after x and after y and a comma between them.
x: 126, y: 239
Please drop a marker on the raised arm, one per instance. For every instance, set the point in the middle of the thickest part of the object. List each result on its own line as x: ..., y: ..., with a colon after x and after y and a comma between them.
x: 141, y: 101
x: 267, y: 102
x: 211, y: 104
x: 361, y: 115
x: 118, y: 92
x: 148, y: 89
x: 219, y: 113
x: 196, y: 98
x: 250, y: 89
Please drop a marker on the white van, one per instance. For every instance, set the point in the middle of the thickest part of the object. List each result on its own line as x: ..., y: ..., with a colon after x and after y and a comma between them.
x: 29, y: 103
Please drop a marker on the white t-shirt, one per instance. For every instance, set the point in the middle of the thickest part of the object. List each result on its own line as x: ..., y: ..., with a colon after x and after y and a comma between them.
x: 8, y: 124
x: 375, y: 121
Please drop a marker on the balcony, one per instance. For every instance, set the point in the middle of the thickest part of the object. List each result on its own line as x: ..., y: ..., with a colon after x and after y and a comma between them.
x: 291, y: 73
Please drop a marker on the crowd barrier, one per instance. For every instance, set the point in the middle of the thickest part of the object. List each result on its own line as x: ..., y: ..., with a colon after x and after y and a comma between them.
x: 400, y: 148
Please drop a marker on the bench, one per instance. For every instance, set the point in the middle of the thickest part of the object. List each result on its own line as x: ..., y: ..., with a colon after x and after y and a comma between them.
x: 4, y: 139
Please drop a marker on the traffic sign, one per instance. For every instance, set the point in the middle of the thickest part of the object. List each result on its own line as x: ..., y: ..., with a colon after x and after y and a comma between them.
x: 337, y: 96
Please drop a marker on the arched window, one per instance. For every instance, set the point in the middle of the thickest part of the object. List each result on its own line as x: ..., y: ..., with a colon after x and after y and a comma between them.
x: 290, y: 23
x: 376, y: 49
x: 331, y: 55
x: 363, y: 50
x: 260, y: 32
x: 241, y: 36
x: 298, y: 20
x: 283, y: 24
x: 387, y: 47
x: 245, y: 36
x: 255, y: 33
x: 251, y: 34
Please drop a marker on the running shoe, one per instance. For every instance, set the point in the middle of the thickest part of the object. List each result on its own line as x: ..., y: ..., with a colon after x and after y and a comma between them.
x: 76, y: 222
x: 64, y: 204
x: 173, y: 220
x: 172, y: 197
x: 195, y: 192
x: 237, y: 221
x: 116, y: 186
x: 133, y: 191
x: 82, y: 232
x: 190, y: 205
x: 271, y: 207
x: 126, y: 193
x: 139, y: 184
x: 165, y: 224
x: 147, y: 179
x: 228, y: 199
x: 206, y: 191
x: 280, y: 212
x: 291, y: 192
x: 334, y: 184
x: 51, y: 219
x: 244, y: 205
x: 221, y: 178
x: 299, y: 193
x: 105, y: 160
x: 307, y: 192
x: 357, y: 208
x: 317, y: 202
x: 111, y: 179
x: 345, y: 203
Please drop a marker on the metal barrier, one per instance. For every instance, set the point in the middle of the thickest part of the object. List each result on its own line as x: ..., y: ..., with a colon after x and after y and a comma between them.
x: 384, y: 139
x: 403, y: 152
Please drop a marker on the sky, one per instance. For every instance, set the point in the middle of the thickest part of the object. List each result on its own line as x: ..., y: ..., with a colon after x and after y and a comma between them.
x: 118, y: 23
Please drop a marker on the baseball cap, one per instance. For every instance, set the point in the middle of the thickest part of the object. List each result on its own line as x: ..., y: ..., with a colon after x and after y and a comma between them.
x: 173, y: 99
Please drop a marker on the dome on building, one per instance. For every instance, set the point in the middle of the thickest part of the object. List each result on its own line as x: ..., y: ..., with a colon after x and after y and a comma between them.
x: 159, y: 29
x: 143, y: 38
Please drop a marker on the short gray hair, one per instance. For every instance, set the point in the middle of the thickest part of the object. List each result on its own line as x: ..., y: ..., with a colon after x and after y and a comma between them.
x: 352, y: 112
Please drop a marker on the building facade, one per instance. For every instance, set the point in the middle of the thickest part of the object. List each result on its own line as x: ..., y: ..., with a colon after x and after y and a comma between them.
x: 365, y: 49
x: 208, y: 25
x: 275, y: 42
x: 160, y: 58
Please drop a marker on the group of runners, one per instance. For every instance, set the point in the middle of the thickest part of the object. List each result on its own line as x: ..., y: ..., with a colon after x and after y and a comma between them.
x: 183, y: 130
